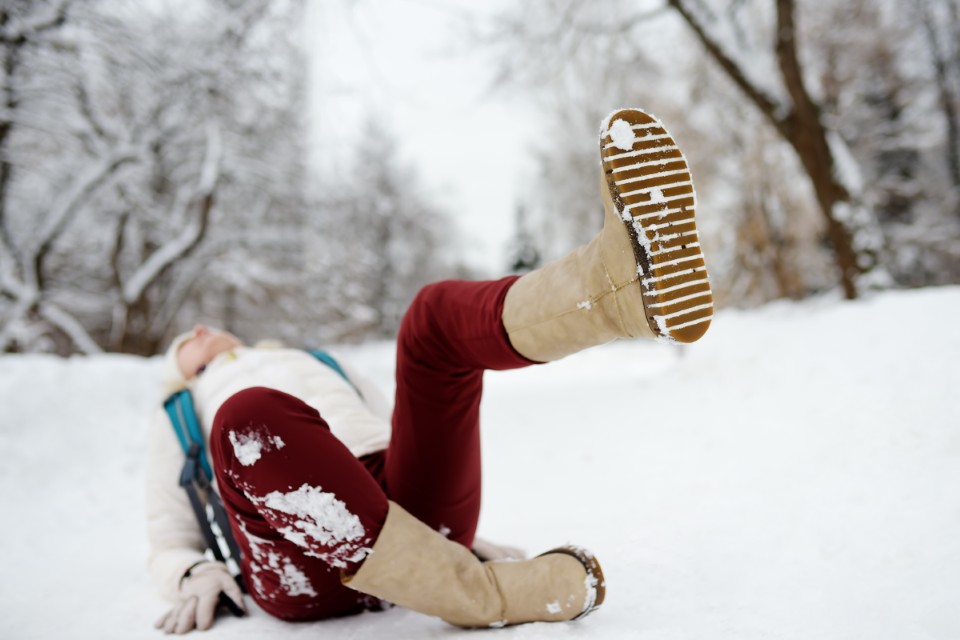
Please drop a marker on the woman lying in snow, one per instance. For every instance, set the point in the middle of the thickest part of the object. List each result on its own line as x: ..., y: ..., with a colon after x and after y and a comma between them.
x: 334, y: 509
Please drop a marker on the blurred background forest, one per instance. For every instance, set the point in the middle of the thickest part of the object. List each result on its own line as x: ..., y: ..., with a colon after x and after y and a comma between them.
x: 155, y: 170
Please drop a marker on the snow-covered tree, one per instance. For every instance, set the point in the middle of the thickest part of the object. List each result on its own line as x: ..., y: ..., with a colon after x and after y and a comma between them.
x: 151, y: 147
x: 26, y: 30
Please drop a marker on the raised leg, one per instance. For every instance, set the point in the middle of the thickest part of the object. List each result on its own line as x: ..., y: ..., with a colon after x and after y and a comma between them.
x: 451, y: 333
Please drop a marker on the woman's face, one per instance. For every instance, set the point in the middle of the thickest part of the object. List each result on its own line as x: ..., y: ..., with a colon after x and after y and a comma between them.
x: 203, y: 347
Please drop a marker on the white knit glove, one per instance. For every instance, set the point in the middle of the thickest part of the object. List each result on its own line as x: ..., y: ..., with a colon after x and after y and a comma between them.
x: 200, y: 593
x: 486, y: 550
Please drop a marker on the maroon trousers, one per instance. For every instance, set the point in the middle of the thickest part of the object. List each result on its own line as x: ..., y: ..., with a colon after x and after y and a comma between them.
x: 303, y: 508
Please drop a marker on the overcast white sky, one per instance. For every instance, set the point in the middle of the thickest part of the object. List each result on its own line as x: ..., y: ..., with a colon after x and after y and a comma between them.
x: 406, y: 61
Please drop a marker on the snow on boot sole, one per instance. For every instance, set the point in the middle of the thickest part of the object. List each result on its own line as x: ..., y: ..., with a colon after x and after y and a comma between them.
x: 650, y: 187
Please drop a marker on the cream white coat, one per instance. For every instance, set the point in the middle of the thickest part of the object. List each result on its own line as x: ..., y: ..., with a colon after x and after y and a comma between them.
x: 361, y: 423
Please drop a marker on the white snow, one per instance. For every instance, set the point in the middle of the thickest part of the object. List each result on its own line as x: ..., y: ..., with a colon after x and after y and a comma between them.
x: 246, y: 447
x: 319, y: 519
x: 622, y: 135
x: 554, y: 607
x: 251, y: 443
x: 662, y: 327
x: 794, y: 475
x: 845, y: 167
x: 326, y: 519
x: 293, y: 580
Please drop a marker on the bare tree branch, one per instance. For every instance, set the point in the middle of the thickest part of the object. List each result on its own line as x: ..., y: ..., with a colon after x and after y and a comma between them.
x: 767, y: 105
x: 64, y: 209
x: 70, y: 326
x: 93, y: 119
x: 21, y: 32
x: 19, y: 310
x: 118, y: 325
x: 802, y: 127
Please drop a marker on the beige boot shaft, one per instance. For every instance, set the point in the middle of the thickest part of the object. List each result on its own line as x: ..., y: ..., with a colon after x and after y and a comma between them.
x: 589, y: 297
x: 417, y: 568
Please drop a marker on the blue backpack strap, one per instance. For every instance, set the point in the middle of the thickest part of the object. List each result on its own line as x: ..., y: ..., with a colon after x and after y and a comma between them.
x: 194, y: 479
x: 331, y: 362
x: 183, y: 417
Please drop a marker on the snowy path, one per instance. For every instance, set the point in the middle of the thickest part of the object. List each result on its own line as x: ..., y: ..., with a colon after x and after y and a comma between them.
x: 795, y: 475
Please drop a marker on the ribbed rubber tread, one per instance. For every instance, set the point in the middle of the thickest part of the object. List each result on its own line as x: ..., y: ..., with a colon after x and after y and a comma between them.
x: 649, y: 182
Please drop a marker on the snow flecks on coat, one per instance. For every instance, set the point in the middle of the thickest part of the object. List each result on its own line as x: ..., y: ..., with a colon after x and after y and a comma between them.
x: 250, y: 444
x: 318, y: 522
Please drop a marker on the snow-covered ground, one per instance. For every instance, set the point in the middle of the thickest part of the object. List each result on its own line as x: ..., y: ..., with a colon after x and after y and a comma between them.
x: 795, y: 475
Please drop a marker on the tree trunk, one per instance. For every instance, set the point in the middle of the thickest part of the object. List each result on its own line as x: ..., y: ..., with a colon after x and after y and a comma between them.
x: 803, y: 129
x: 947, y: 98
x: 805, y: 132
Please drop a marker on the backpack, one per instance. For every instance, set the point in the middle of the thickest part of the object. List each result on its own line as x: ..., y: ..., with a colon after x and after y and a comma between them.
x: 197, y: 475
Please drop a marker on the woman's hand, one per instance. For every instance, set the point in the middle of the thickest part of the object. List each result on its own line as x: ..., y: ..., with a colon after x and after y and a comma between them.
x: 200, y: 593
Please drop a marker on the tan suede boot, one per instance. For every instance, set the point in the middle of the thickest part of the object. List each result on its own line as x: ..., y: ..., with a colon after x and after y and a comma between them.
x: 415, y: 567
x: 643, y: 275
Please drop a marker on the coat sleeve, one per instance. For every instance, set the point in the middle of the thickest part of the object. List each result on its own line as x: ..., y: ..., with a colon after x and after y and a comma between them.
x: 172, y: 531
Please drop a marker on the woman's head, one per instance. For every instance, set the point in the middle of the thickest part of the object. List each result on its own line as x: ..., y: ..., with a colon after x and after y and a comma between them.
x: 190, y: 352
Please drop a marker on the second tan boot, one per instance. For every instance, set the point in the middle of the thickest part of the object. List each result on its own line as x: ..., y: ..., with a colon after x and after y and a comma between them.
x: 417, y: 568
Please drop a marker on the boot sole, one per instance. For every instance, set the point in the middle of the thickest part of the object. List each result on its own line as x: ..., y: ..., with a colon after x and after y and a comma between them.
x: 596, y: 583
x: 651, y: 189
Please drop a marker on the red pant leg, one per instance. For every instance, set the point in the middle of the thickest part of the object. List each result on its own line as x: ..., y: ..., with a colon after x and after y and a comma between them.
x: 451, y: 333
x: 302, y: 506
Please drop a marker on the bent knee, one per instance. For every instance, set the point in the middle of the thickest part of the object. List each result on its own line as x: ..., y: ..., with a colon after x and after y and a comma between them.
x: 419, y: 319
